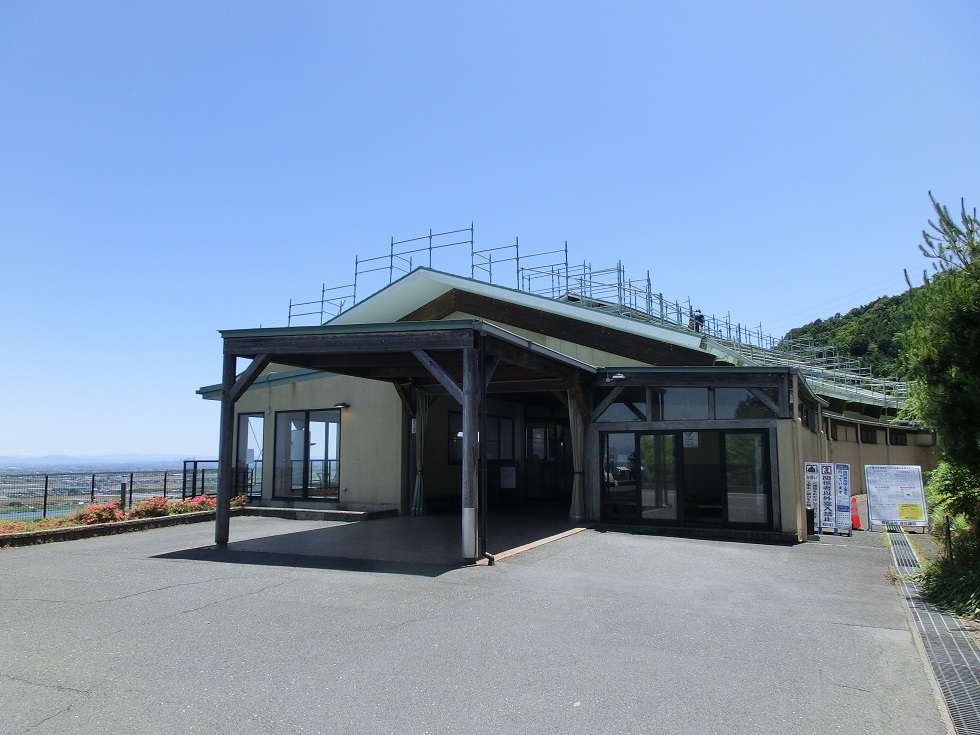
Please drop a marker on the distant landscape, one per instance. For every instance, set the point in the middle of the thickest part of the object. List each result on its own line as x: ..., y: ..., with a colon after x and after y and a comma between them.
x: 58, y: 463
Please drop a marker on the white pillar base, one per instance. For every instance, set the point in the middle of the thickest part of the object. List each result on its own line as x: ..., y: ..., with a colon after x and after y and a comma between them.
x: 469, y: 533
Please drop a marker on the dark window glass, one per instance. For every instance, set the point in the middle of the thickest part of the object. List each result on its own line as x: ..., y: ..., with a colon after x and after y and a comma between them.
x: 685, y: 404
x: 499, y: 443
x: 741, y: 403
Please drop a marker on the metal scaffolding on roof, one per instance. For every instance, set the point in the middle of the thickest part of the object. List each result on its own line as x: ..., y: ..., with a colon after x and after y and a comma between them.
x: 548, y: 273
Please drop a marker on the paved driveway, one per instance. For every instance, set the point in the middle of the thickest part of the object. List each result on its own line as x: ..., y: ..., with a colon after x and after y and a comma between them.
x: 596, y: 633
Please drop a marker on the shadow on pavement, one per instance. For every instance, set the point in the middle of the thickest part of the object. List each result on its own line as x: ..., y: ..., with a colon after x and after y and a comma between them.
x: 425, y: 545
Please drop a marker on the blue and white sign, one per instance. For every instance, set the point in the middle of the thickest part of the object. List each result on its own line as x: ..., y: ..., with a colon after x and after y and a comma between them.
x: 843, y: 480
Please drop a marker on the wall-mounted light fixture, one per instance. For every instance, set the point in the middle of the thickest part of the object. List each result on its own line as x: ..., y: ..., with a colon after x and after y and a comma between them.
x: 341, y: 404
x: 615, y: 376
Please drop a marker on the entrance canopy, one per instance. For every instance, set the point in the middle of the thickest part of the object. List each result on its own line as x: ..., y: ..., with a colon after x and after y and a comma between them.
x: 464, y: 358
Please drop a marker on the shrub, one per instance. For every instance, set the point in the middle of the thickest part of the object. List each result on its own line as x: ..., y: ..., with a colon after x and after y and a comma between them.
x: 955, y: 490
x: 954, y: 584
x: 196, y: 504
x: 152, y: 508
x: 96, y: 513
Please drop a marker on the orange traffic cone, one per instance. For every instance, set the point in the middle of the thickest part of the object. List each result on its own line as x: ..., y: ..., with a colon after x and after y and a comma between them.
x: 855, y: 516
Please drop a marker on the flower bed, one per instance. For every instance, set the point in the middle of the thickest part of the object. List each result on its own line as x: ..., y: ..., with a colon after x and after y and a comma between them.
x: 105, y: 518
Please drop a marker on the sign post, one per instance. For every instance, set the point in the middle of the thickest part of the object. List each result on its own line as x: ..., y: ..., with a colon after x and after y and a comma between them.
x: 828, y: 499
x: 842, y: 474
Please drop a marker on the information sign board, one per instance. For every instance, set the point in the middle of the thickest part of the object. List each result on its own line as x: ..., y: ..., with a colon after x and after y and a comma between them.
x: 812, y: 485
x: 828, y: 500
x: 895, y: 495
x: 843, y: 481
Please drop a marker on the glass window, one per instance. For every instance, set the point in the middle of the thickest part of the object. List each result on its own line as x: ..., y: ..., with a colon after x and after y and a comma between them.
x: 307, y: 457
x: 741, y: 403
x: 684, y: 404
x: 869, y: 435
x: 248, y: 467
x: 499, y: 441
x: 747, y: 478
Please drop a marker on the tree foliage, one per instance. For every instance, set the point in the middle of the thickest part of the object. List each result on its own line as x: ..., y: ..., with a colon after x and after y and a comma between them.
x: 941, y: 348
x: 869, y: 333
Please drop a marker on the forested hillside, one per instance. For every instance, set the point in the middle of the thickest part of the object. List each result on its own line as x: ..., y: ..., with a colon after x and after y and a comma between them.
x: 868, y: 333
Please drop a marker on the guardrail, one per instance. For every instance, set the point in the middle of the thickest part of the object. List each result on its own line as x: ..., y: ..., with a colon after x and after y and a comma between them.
x: 36, y: 495
x: 27, y: 497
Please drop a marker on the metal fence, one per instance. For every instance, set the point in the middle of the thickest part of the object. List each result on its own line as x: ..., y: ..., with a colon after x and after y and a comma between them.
x: 33, y: 496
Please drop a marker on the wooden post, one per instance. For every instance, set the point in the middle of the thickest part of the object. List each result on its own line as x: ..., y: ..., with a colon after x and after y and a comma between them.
x: 471, y: 397
x: 226, y: 457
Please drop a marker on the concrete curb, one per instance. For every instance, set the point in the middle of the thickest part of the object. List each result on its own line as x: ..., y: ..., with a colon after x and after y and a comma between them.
x: 72, y: 533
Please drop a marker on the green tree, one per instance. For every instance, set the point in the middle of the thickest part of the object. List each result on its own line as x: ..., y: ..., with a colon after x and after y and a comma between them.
x: 941, y: 349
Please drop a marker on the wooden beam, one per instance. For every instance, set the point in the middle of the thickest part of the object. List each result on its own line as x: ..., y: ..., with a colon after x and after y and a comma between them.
x: 405, y: 397
x: 259, y: 363
x: 521, y: 357
x: 445, y: 380
x: 607, y: 402
x: 491, y: 367
x: 317, y: 344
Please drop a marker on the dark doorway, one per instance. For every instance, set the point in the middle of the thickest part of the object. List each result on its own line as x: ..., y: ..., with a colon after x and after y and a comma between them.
x: 704, y: 480
x: 548, y: 469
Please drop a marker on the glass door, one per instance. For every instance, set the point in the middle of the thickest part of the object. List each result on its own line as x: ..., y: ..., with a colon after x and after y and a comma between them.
x: 704, y: 481
x: 659, y: 476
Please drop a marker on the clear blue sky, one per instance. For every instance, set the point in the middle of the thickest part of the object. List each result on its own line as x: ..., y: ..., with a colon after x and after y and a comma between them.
x: 168, y: 169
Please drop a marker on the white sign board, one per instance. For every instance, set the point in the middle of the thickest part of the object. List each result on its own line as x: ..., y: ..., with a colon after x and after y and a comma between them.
x: 843, y: 472
x: 895, y: 495
x: 827, y: 510
x: 812, y: 484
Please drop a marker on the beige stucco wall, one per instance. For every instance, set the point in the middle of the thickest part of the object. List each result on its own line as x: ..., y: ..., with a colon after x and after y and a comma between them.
x: 373, y: 473
x: 857, y: 455
x: 796, y: 444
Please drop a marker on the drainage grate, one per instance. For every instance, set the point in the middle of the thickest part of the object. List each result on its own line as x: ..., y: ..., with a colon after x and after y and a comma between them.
x: 955, y: 659
x: 906, y: 562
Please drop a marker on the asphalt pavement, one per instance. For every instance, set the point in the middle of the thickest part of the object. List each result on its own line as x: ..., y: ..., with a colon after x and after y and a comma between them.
x: 158, y: 632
